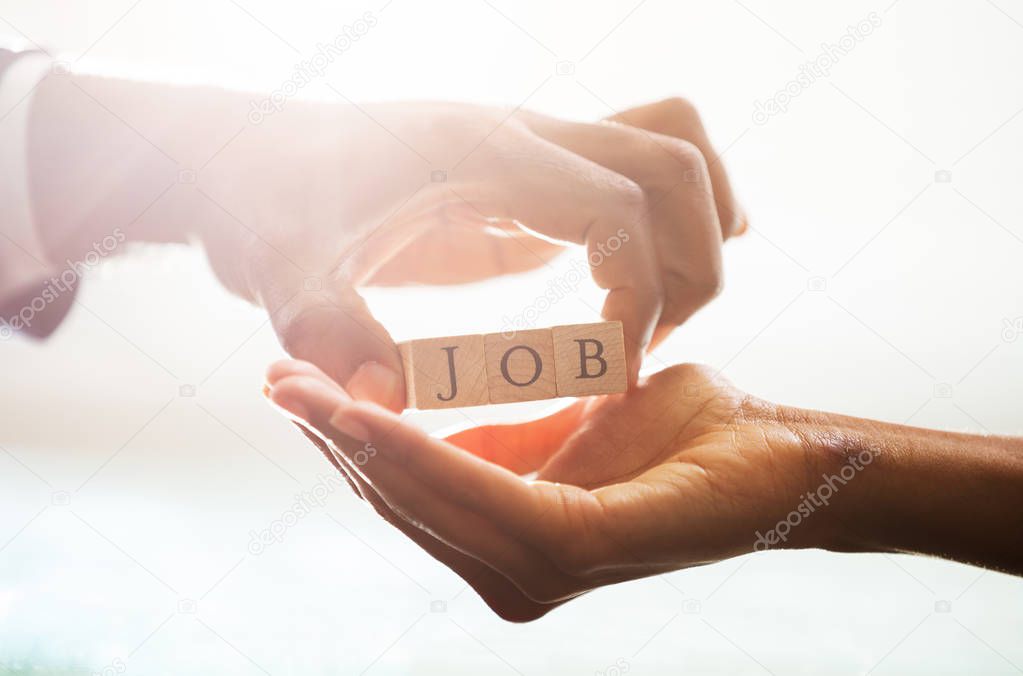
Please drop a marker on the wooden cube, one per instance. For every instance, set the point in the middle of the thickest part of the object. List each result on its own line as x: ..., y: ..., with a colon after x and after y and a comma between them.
x: 566, y: 361
x: 445, y: 372
x: 520, y: 365
x: 590, y: 359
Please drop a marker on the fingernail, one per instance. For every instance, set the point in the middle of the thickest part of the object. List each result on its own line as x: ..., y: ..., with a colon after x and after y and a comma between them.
x: 343, y: 421
x: 375, y: 382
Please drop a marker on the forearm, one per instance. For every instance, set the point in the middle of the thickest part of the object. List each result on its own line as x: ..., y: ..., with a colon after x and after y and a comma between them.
x: 957, y: 496
x: 104, y: 151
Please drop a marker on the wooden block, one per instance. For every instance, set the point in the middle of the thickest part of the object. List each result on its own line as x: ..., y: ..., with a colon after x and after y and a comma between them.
x: 444, y: 372
x: 520, y: 366
x: 590, y: 359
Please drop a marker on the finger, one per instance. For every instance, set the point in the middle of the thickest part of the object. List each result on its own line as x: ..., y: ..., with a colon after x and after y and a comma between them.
x: 520, y: 448
x: 673, y: 175
x: 333, y: 328
x: 679, y: 118
x: 473, y: 506
x: 567, y: 197
x: 497, y: 591
x: 523, y: 447
x: 287, y: 368
x: 408, y: 451
x: 321, y: 444
x: 283, y: 368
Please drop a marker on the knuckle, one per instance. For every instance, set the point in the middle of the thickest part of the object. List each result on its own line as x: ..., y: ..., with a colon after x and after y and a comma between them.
x: 668, y: 161
x: 689, y: 292
x: 629, y: 194
x: 627, y: 206
x: 295, y: 336
x: 301, y: 330
x: 685, y: 153
x: 678, y: 106
x: 710, y: 286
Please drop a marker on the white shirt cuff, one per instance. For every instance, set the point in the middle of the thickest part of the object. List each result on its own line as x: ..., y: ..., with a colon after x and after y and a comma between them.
x: 22, y: 259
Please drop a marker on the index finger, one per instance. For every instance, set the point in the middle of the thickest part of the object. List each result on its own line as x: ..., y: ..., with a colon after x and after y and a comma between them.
x: 679, y: 118
x: 565, y: 196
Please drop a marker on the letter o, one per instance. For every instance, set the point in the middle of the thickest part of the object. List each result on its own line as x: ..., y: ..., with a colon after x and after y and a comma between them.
x: 537, y: 361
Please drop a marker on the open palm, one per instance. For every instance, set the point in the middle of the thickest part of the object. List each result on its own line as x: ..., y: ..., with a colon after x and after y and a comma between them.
x: 680, y: 471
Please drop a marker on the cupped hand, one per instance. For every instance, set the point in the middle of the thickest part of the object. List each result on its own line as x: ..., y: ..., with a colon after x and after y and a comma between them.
x: 327, y: 201
x: 683, y: 470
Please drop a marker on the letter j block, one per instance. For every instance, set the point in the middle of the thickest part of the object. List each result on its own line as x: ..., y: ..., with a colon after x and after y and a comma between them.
x: 590, y: 359
x: 445, y: 372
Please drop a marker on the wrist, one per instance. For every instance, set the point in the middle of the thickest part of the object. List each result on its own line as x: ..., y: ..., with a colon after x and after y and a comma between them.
x: 852, y: 462
x: 819, y: 460
x: 895, y: 488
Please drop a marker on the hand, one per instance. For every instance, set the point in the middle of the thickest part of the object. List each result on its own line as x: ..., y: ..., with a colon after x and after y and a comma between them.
x: 329, y: 193
x: 300, y: 208
x: 683, y: 470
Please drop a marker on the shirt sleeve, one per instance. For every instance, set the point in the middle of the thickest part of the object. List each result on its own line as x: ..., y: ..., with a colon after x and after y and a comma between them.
x: 34, y: 297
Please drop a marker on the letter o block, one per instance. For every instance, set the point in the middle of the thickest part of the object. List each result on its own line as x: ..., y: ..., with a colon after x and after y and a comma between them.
x: 445, y: 372
x: 520, y: 367
x: 590, y: 359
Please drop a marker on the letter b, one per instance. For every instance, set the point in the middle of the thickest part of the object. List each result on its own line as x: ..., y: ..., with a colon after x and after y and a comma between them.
x: 586, y: 356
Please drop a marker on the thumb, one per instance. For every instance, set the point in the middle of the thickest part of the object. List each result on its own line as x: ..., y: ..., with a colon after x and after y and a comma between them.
x: 334, y: 329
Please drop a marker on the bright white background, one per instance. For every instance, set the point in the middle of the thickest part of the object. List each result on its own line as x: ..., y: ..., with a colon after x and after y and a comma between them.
x: 122, y: 502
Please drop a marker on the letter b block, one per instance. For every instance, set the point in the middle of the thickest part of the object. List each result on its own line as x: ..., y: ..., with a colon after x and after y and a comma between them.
x: 520, y: 367
x: 445, y: 372
x: 590, y: 359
